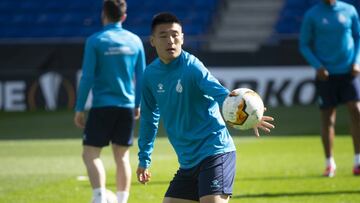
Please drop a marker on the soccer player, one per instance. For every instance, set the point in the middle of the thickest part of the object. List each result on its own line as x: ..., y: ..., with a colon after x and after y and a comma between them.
x: 329, y: 41
x: 178, y: 87
x: 113, y: 65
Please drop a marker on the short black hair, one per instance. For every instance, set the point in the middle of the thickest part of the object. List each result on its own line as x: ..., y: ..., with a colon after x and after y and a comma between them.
x: 114, y: 9
x: 163, y: 18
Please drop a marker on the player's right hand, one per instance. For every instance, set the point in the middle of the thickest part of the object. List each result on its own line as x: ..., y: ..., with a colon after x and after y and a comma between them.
x: 79, y: 119
x: 143, y: 175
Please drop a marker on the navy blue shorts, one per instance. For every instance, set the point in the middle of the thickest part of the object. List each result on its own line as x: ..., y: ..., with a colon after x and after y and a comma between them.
x: 338, y: 89
x: 212, y: 176
x: 109, y: 124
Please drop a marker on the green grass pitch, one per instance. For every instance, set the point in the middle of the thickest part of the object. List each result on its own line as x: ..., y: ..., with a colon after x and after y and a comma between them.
x: 269, y: 169
x: 280, y: 168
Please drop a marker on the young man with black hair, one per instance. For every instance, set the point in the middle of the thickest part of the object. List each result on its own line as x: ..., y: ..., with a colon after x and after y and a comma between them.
x: 178, y: 87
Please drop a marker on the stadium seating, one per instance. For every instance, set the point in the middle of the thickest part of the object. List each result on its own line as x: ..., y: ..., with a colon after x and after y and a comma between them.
x: 78, y: 19
x: 290, y: 17
x: 69, y: 19
x: 196, y: 15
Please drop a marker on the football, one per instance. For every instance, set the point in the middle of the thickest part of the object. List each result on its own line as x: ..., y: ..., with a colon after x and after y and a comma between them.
x: 244, y: 110
x: 110, y: 197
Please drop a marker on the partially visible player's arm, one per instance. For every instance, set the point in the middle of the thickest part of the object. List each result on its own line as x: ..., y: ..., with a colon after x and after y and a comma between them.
x: 149, y: 121
x: 87, y: 77
x: 86, y: 82
x: 139, y: 70
x: 305, y: 41
x: 209, y: 84
x: 356, y: 36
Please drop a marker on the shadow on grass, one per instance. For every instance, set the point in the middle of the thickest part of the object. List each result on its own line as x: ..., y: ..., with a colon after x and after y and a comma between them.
x: 295, y: 194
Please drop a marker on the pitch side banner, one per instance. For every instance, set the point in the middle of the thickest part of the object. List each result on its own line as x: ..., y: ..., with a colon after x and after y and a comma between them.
x: 30, y: 90
x: 285, y: 86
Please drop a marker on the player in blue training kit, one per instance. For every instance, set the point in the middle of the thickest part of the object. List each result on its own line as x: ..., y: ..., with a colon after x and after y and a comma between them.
x: 113, y: 66
x: 178, y: 87
x: 329, y: 41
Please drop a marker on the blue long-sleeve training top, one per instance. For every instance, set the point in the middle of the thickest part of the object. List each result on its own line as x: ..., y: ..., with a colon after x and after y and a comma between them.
x: 113, y: 58
x: 187, y: 97
x: 329, y: 37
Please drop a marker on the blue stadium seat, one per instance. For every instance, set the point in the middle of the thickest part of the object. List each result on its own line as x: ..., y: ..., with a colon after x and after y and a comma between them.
x: 80, y: 18
x: 290, y: 17
x: 143, y: 29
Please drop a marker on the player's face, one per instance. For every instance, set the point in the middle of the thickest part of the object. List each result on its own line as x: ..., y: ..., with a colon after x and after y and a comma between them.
x: 167, y: 40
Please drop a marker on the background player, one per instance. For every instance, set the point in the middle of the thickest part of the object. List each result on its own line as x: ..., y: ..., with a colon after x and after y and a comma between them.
x: 112, y: 58
x: 329, y: 41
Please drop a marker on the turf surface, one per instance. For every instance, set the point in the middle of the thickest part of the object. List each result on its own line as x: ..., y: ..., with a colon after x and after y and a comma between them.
x: 40, y: 161
x: 269, y: 169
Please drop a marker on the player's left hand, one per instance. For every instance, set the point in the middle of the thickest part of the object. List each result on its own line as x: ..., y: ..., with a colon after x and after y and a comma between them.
x: 264, y: 125
x: 355, y: 71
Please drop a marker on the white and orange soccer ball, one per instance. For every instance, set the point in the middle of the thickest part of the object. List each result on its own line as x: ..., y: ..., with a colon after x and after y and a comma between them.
x: 244, y: 110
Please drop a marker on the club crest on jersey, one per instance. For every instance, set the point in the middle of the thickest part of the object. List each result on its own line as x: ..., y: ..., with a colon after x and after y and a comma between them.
x: 179, y: 87
x: 342, y: 18
x: 325, y: 21
x: 160, y: 88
